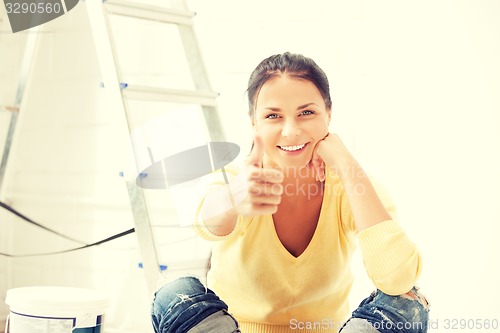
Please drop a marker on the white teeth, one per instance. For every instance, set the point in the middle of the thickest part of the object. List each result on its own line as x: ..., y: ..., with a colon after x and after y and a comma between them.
x: 292, y: 148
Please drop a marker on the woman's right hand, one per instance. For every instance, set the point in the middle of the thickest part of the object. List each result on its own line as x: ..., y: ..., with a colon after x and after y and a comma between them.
x: 257, y: 190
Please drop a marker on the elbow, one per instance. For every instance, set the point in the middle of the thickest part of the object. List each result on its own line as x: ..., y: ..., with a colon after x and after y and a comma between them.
x: 222, y: 225
x: 400, y: 280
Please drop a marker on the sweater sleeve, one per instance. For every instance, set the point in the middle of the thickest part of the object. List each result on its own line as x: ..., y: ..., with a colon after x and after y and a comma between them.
x: 391, y: 259
x: 214, y: 181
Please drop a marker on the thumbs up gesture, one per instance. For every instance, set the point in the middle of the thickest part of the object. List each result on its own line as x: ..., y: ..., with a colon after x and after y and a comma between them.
x: 258, y: 190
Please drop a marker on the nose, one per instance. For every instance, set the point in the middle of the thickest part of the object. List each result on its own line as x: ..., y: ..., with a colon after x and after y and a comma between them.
x: 290, y: 128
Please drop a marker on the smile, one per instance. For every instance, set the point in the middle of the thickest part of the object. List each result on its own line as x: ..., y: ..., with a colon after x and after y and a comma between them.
x: 292, y: 148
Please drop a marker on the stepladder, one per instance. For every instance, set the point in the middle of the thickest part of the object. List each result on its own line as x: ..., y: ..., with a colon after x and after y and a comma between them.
x: 182, y: 85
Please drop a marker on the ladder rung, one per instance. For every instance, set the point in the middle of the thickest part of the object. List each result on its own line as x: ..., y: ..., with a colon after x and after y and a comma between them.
x: 170, y: 95
x: 148, y: 12
x: 9, y: 108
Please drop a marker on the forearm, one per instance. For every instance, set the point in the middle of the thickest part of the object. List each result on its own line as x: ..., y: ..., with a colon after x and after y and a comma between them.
x: 391, y: 259
x: 366, y: 206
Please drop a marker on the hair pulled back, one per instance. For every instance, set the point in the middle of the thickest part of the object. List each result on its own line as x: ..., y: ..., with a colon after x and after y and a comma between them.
x: 295, y: 66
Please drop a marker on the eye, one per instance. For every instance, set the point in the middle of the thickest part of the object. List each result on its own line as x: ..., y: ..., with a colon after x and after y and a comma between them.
x: 307, y: 112
x: 272, y: 116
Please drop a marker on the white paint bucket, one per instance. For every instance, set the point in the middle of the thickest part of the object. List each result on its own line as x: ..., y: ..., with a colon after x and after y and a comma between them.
x: 55, y: 310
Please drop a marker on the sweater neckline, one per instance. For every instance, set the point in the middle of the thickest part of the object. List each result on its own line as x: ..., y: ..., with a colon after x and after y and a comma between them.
x: 312, y: 242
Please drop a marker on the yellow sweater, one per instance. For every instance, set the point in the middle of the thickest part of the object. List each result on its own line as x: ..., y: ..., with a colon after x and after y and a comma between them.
x: 269, y: 290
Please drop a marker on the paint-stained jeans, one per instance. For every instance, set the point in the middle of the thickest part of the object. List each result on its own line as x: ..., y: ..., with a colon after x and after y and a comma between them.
x: 390, y: 314
x: 186, y: 306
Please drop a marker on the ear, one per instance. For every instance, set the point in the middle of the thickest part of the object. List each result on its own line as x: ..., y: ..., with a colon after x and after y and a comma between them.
x: 329, y: 116
x: 252, y: 119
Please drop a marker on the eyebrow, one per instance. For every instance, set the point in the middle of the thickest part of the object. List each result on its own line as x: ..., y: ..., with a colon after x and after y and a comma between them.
x: 298, y: 108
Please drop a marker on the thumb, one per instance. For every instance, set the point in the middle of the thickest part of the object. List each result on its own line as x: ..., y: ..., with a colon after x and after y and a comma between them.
x: 257, y: 152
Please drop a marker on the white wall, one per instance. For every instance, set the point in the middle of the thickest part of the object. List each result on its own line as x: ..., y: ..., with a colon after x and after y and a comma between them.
x: 415, y: 88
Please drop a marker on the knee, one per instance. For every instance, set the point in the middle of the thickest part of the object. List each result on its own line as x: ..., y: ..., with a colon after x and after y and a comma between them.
x: 171, y: 304
x: 177, y: 291
x: 415, y: 295
x: 182, y: 304
x: 407, y: 310
x: 417, y: 310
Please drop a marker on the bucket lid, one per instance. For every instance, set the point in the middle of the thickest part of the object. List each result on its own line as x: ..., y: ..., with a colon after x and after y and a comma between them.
x: 55, y: 301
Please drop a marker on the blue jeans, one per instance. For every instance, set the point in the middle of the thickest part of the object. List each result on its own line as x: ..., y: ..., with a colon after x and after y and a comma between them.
x: 185, y: 305
x: 390, y: 314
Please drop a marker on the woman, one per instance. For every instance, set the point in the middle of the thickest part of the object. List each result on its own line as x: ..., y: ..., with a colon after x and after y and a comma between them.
x: 284, y: 229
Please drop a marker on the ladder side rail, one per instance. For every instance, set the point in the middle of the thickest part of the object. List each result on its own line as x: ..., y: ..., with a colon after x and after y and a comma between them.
x: 109, y: 71
x: 199, y: 73
x: 26, y: 65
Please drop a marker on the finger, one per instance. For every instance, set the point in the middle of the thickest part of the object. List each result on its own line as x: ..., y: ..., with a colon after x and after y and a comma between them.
x: 265, y: 175
x: 318, y: 162
x: 321, y: 172
x: 255, y: 209
x: 315, y: 165
x: 264, y: 189
x: 257, y: 152
x: 312, y: 167
x: 319, y: 168
x: 263, y: 209
x: 266, y: 200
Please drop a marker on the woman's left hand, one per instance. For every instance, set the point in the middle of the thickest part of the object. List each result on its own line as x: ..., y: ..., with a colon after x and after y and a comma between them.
x: 366, y: 207
x: 332, y: 152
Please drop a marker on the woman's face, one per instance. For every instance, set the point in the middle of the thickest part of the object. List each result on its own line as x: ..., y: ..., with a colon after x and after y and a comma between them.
x: 290, y: 116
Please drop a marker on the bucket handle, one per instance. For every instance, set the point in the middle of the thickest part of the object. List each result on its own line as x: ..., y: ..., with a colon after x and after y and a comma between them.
x: 78, y: 326
x: 7, y: 324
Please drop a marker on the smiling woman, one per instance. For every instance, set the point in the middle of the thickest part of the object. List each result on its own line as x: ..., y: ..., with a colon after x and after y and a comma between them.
x: 291, y: 118
x: 284, y: 229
